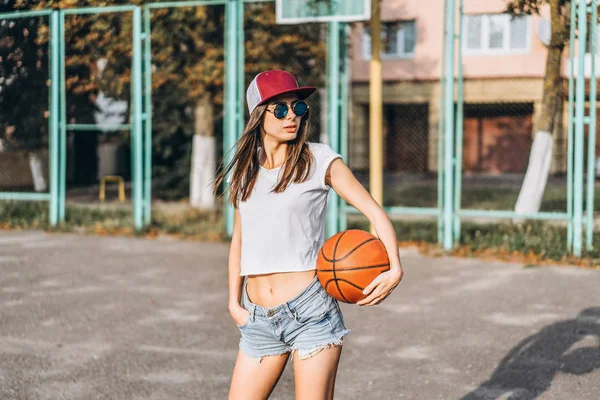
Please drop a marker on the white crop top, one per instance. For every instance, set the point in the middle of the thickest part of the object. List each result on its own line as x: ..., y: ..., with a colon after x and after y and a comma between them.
x: 283, y: 232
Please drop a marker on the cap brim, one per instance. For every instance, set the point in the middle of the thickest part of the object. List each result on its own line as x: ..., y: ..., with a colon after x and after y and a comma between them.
x: 303, y: 92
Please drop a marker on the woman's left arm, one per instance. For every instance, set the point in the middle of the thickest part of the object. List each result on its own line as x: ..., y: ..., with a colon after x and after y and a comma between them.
x: 343, y: 181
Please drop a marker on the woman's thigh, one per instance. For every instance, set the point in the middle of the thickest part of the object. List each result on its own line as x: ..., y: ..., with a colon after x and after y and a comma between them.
x: 253, y: 379
x: 314, y: 377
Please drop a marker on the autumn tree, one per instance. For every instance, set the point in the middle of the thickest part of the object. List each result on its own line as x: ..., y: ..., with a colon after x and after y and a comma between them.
x: 549, y: 122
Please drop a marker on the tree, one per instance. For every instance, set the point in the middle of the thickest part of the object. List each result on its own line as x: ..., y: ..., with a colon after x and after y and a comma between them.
x: 23, y: 128
x: 188, y: 70
x: 549, y: 122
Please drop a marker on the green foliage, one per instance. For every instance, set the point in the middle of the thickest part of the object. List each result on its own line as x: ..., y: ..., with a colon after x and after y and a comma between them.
x: 111, y: 218
x: 24, y: 214
x: 23, y: 89
x: 560, y: 16
x: 549, y: 241
x: 531, y: 6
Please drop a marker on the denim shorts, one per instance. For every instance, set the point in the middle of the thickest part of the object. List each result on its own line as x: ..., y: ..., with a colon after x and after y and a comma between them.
x: 308, y: 323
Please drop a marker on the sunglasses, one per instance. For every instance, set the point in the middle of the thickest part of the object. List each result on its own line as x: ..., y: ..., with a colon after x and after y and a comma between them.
x: 299, y: 107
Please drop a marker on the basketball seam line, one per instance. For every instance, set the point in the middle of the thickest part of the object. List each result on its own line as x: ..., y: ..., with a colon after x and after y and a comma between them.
x: 347, y: 255
x: 343, y: 280
x: 355, y: 268
x: 333, y: 266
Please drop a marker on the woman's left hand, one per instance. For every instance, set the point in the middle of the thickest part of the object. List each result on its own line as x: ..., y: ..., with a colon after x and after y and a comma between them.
x: 381, y: 287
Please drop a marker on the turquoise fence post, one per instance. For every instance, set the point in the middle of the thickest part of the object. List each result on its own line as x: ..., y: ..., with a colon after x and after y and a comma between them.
x: 571, y: 122
x: 344, y: 112
x: 459, y: 128
x: 449, y: 131
x: 333, y: 98
x: 231, y: 90
x: 579, y: 125
x: 62, y: 140
x: 137, y: 119
x: 441, y: 132
x: 591, y: 158
x: 147, y: 116
x: 54, y: 116
x: 241, y: 84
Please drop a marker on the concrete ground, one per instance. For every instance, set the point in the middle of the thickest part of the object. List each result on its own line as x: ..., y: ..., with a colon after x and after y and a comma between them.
x: 86, y: 317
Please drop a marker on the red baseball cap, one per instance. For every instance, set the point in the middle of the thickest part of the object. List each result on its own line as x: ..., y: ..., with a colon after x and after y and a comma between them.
x: 269, y: 84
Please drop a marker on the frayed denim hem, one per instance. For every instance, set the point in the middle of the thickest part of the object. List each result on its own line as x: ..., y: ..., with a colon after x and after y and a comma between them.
x: 259, y: 359
x: 304, y: 354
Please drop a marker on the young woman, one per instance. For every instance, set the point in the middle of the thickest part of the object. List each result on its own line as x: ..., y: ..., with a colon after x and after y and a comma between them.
x: 279, y: 184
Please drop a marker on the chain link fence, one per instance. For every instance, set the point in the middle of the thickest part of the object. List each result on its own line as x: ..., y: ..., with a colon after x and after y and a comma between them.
x: 410, y: 109
x: 409, y: 178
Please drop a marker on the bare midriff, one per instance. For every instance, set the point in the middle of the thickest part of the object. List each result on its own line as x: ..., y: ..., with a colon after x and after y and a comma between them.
x: 270, y: 290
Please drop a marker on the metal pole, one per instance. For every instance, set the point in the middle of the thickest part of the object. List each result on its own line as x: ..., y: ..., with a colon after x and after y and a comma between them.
x: 344, y: 111
x: 147, y: 117
x: 579, y: 122
x: 231, y: 77
x: 54, y: 116
x: 98, y: 10
x: 192, y: 3
x: 570, y: 146
x: 136, y: 81
x: 62, y: 141
x: 589, y: 213
x: 241, y: 84
x: 376, y: 108
x: 449, y: 124
x: 459, y: 127
x: 333, y: 98
x: 441, y: 130
x: 24, y: 14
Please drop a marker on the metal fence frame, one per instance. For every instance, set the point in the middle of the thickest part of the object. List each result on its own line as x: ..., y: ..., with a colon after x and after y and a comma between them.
x: 448, y: 211
x: 140, y: 124
x: 58, y: 125
x: 52, y: 195
x: 451, y: 126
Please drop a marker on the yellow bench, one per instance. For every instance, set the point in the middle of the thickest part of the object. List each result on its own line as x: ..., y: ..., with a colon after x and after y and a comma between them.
x: 112, y: 178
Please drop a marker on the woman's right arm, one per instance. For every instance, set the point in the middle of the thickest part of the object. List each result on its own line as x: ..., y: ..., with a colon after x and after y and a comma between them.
x: 238, y: 313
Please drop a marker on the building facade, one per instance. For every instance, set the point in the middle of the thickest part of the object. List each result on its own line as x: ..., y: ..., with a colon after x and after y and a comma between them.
x: 504, y: 61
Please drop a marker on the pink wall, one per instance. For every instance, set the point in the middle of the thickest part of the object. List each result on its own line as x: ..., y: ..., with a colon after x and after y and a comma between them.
x: 428, y: 15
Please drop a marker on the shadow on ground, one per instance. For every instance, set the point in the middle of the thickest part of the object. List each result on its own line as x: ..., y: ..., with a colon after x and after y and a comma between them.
x: 527, y: 371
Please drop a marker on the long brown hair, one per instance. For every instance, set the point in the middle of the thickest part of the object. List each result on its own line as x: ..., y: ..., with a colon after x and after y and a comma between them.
x: 245, y: 163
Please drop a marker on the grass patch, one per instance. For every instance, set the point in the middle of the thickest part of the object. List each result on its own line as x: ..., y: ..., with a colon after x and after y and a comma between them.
x: 534, y: 242
x: 24, y: 214
x: 111, y: 219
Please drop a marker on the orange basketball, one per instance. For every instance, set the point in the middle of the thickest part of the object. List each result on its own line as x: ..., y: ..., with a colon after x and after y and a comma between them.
x: 348, y: 262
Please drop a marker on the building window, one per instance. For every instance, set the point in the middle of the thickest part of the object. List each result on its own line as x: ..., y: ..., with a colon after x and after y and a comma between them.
x: 397, y: 40
x: 496, y: 34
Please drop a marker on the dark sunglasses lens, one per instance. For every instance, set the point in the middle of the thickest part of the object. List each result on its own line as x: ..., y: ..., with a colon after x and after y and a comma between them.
x: 300, y: 108
x: 280, y: 111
